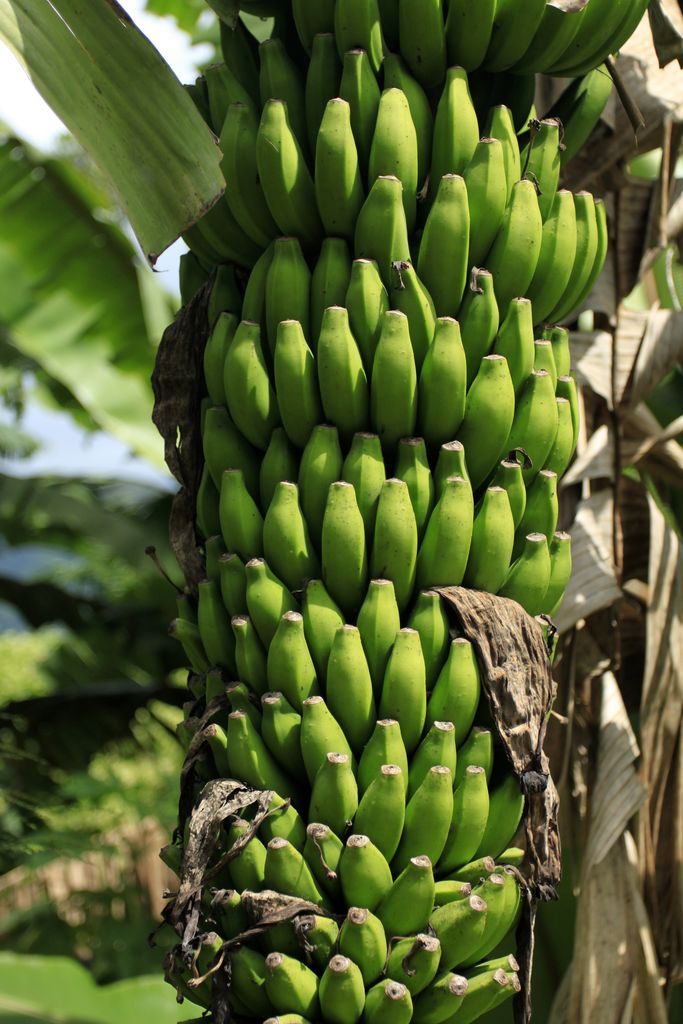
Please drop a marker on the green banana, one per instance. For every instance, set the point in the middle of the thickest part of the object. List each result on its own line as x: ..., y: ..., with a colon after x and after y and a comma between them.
x: 238, y: 47
x: 580, y: 107
x: 559, y: 339
x: 542, y: 509
x: 364, y: 469
x: 479, y: 320
x: 456, y: 129
x: 279, y: 463
x: 388, y: 1002
x: 508, y: 475
x: 322, y: 619
x: 230, y: 914
x: 362, y: 940
x: 381, y: 811
x: 287, y: 872
x: 254, y: 301
x: 459, y: 927
x: 334, y: 797
x: 566, y: 388
x: 385, y: 746
x: 409, y: 902
x: 225, y: 448
x: 409, y: 296
x: 280, y: 78
x: 188, y: 636
x: 541, y: 159
x: 512, y: 30
x: 437, y: 748
x: 267, y: 599
x: 428, y: 817
x: 226, y: 296
x: 239, y: 699
x: 515, y: 252
x: 321, y: 464
x: 349, y: 687
x: 296, y: 383
x: 455, y: 696
x: 322, y: 852
x: 248, y: 979
x: 560, y: 571
x: 529, y: 576
x: 378, y: 622
x: 312, y: 17
x: 501, y: 126
x: 552, y: 37
x: 288, y: 289
x: 250, y: 658
x: 506, y: 963
x: 535, y: 423
x: 240, y: 518
x: 503, y: 909
x: 447, y: 891
x: 394, y: 148
x: 431, y: 622
x: 367, y: 302
x: 485, y: 992
x: 468, y: 824
x: 515, y: 341
x: 556, y: 260
x: 594, y: 40
x: 223, y: 88
x: 444, y: 248
x: 218, y: 238
x: 341, y: 377
x: 344, y: 559
x: 250, y: 761
x: 587, y: 241
x: 443, y: 384
x: 442, y: 1000
x: 600, y: 254
x: 404, y: 687
x: 396, y: 76
x: 244, y: 194
x: 357, y: 23
x: 493, y: 536
x: 476, y: 750
x: 286, y: 541
x: 544, y: 358
x: 341, y: 992
x: 393, y: 385
x: 218, y: 744
x: 469, y: 25
x: 415, y: 961
x: 322, y: 934
x: 250, y: 396
x: 381, y: 230
x: 215, y: 350
x: 247, y: 868
x: 443, y: 554
x: 338, y: 185
x: 286, y: 181
x: 364, y: 873
x: 412, y: 466
x: 289, y: 666
x: 394, y: 548
x: 422, y: 41
x: 487, y: 196
x: 322, y: 82
x: 283, y: 822
x: 330, y: 281
x: 489, y: 417
x: 360, y: 90
x: 291, y: 986
x: 281, y: 731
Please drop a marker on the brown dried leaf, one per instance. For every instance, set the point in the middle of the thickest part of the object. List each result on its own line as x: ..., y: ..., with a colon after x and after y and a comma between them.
x: 666, y: 22
x: 660, y: 351
x: 596, y: 461
x: 593, y: 584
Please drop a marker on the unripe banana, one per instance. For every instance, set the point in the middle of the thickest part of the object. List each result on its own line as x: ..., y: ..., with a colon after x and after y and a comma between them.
x: 493, y: 538
x: 281, y: 731
x: 508, y: 475
x: 443, y: 384
x: 459, y: 926
x: 239, y: 699
x: 404, y: 688
x: 218, y: 744
x: 290, y: 667
x: 285, y: 178
x: 288, y: 289
x: 384, y: 747
x: 249, y: 759
x: 349, y: 687
x: 579, y: 109
x: 412, y: 466
x: 535, y: 424
x: 321, y: 465
x: 334, y: 799
x: 441, y: 1000
x: 529, y: 576
x: 223, y: 88
x: 489, y: 417
x: 437, y: 748
x: 381, y: 229
x: 286, y: 541
x: 544, y: 358
x: 215, y: 350
x: 251, y: 399
x: 279, y: 463
x: 414, y: 961
x: 456, y: 129
x: 479, y: 320
x: 364, y: 873
x: 393, y: 390
x: 451, y: 462
x: 322, y: 81
x: 584, y: 262
x: 566, y: 388
x: 428, y: 818
x: 559, y: 339
x: 230, y: 914
x: 341, y: 992
x: 238, y: 47
x: 341, y: 377
x: 188, y: 636
x: 505, y: 963
x: 541, y: 159
x: 247, y: 868
x: 515, y: 252
x: 330, y: 281
x: 360, y: 90
x: 443, y: 554
x: 218, y: 238
x: 560, y: 572
x: 503, y: 908
x: 254, y: 302
x: 556, y: 260
x: 247, y: 980
x: 322, y: 619
x: 407, y: 905
x: 468, y: 31
x: 487, y: 196
x: 287, y: 872
x: 344, y: 558
x: 394, y: 548
x: 485, y: 992
x: 394, y: 148
x: 444, y: 248
x: 283, y: 822
x: 322, y: 853
x: 312, y: 17
x: 280, y: 78
x: 291, y: 986
x: 410, y: 296
x: 501, y: 126
x: 554, y: 34
x: 225, y: 294
x: 448, y: 891
x: 600, y: 254
x: 381, y: 811
x: 244, y: 194
x: 322, y: 934
x: 423, y: 40
x: 357, y: 23
x: 364, y: 469
x: 362, y: 939
x: 296, y: 383
x: 267, y: 599
x: 396, y: 76
x: 225, y: 448
x: 515, y: 341
x: 378, y: 623
x: 468, y: 824
x: 431, y: 622
x: 455, y: 696
x: 212, y: 622
x: 367, y: 302
x: 541, y: 512
x: 511, y: 32
x: 250, y: 658
x: 338, y: 185
x: 476, y: 750
x: 388, y: 1002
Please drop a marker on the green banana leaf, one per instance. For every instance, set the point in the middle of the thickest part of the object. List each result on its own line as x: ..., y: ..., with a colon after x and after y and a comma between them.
x: 124, y: 105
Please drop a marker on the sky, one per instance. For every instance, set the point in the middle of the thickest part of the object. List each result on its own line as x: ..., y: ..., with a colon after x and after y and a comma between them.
x: 65, y: 448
